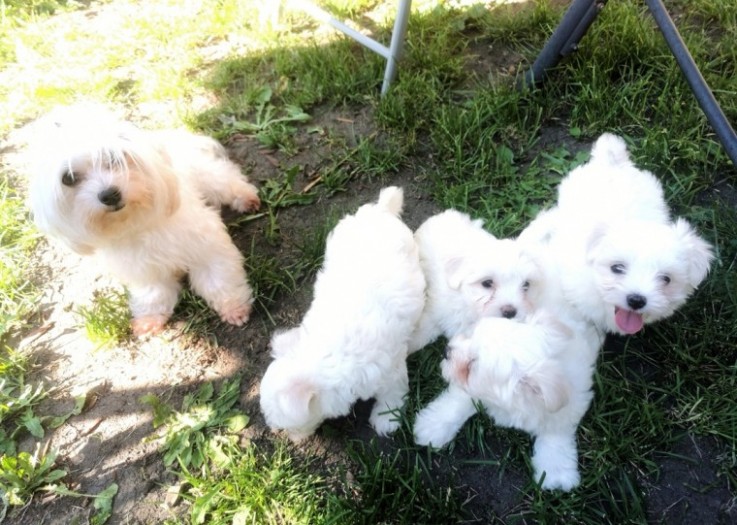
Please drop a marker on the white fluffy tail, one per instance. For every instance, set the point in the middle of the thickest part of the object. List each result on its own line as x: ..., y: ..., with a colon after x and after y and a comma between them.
x: 610, y: 148
x: 391, y: 199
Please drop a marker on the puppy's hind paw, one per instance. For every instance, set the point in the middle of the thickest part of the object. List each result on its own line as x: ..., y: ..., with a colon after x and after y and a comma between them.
x: 237, y: 315
x: 148, y: 325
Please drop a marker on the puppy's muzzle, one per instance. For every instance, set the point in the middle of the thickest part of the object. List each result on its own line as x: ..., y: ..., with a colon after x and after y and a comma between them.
x: 111, y: 197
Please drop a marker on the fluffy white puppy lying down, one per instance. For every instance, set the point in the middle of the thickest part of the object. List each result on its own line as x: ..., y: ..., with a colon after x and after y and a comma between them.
x: 352, y: 342
x: 534, y: 376
x: 621, y: 260
x: 470, y: 274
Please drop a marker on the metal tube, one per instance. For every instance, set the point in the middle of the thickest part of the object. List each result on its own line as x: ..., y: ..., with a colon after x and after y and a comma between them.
x: 700, y: 88
x: 397, y: 44
x: 325, y: 17
x: 575, y: 21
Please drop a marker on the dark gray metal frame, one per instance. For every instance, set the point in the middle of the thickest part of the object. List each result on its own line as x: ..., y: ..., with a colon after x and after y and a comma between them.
x: 577, y: 20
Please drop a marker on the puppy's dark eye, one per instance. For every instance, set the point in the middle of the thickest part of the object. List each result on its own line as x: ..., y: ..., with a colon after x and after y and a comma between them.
x: 68, y: 178
x: 526, y: 285
x: 488, y: 283
x: 617, y: 268
x: 665, y: 279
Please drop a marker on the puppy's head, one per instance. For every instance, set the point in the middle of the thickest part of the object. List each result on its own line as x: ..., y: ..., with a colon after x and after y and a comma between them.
x: 290, y: 399
x: 644, y: 271
x: 509, y: 364
x: 501, y: 280
x: 96, y: 178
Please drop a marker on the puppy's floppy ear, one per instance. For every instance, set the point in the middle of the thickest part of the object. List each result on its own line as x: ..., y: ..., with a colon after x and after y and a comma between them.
x: 170, y: 182
x: 544, y: 382
x: 699, y: 253
x: 143, y: 151
x: 297, y: 400
x: 284, y: 341
x: 598, y: 232
x: 454, y: 272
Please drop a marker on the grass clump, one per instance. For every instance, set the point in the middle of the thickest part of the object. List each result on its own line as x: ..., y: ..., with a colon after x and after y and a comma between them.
x: 222, y: 480
x: 107, y: 319
x: 189, y: 436
x: 255, y: 486
x: 17, y: 239
x: 18, y: 399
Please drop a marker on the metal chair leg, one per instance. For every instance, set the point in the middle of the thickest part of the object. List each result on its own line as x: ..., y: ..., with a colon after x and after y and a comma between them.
x: 700, y: 88
x: 397, y: 44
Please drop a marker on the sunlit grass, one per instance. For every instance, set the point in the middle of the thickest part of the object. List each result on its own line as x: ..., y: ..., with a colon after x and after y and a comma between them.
x: 17, y: 239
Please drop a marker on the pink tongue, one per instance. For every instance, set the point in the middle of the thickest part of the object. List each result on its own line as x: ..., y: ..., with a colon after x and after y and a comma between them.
x: 628, y: 321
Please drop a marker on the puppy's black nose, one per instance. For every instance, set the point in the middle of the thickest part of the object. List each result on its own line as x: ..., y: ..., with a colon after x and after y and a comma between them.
x: 110, y: 196
x: 509, y: 312
x: 636, y: 301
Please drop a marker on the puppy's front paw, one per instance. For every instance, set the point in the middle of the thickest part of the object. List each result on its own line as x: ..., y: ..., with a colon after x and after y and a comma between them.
x: 560, y: 471
x: 429, y: 431
x: 384, y: 423
x: 148, y: 325
x: 564, y: 479
x: 237, y: 315
x: 246, y: 199
x: 556, y: 457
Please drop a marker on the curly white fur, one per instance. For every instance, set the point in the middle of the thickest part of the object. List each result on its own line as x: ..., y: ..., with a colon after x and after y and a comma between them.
x: 352, y: 342
x: 143, y: 202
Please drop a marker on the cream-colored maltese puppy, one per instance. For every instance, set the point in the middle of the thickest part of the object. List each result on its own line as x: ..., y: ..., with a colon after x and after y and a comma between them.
x: 470, y: 274
x: 621, y: 259
x: 144, y: 202
x: 352, y: 342
x: 534, y: 376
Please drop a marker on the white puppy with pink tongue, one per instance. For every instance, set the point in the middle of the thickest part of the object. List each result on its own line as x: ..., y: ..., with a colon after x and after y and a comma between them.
x: 620, y: 258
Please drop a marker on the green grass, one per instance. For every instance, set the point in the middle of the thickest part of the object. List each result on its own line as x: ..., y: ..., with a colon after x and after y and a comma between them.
x: 478, y: 144
x: 106, y: 319
x: 17, y: 239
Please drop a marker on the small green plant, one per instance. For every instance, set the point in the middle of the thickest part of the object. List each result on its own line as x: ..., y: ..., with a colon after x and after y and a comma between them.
x: 107, y: 319
x: 23, y: 474
x: 17, y: 401
x: 271, y: 127
x: 191, y: 435
x: 280, y: 192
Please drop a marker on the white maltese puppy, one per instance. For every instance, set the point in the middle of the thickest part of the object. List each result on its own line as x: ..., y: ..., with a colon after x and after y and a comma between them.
x: 143, y: 202
x: 621, y: 260
x: 470, y: 274
x: 534, y: 376
x: 352, y: 342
